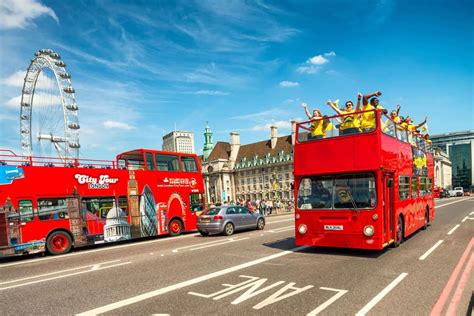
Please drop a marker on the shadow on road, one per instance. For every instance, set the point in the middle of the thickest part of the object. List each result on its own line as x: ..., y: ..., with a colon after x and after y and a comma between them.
x: 289, y: 243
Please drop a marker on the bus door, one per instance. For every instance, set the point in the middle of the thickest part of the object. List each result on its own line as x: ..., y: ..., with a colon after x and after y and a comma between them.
x: 388, y: 207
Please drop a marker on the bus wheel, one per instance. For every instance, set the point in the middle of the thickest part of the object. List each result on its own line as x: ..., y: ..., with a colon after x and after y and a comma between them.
x: 228, y: 229
x: 427, y: 220
x: 400, y: 230
x: 59, y: 243
x: 175, y: 227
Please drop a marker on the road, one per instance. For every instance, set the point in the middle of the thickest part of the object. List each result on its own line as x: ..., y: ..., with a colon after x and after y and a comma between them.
x: 254, y: 272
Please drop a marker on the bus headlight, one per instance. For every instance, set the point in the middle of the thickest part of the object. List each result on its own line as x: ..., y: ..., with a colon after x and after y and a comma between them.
x: 375, y: 217
x: 369, y: 230
x: 297, y: 216
x: 302, y: 229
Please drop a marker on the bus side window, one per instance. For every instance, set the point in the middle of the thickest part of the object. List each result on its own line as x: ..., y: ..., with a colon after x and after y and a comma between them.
x: 52, y: 209
x: 150, y: 164
x: 25, y: 208
x: 189, y: 164
x: 414, y: 187
x: 403, y: 187
x: 197, y: 201
x: 123, y: 204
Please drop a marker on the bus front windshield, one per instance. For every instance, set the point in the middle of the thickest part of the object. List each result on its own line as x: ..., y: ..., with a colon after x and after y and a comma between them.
x: 337, y: 192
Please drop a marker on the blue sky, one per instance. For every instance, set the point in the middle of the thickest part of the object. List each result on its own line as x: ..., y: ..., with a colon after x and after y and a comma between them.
x: 144, y: 68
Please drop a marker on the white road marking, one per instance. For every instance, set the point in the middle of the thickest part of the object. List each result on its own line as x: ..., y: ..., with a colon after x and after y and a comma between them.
x: 426, y: 254
x: 451, y: 203
x: 204, y: 243
x: 63, y: 276
x: 222, y: 243
x: 324, y: 305
x: 280, y: 221
x: 57, y: 272
x: 465, y: 219
x: 282, y: 229
x: 112, y: 247
x: 454, y: 228
x: 381, y: 295
x: 177, y: 286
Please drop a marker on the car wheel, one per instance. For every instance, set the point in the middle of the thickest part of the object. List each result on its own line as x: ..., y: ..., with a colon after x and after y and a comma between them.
x: 400, y: 230
x: 228, y: 229
x: 204, y: 233
x: 175, y: 227
x: 59, y: 243
x: 260, y: 224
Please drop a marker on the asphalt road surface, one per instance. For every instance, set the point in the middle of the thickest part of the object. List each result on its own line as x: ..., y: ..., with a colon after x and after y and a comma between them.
x: 253, y: 272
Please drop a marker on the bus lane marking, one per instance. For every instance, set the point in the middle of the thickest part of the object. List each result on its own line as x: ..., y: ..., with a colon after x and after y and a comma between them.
x: 231, y: 240
x: 331, y: 300
x: 426, y: 254
x: 204, y: 243
x: 56, y: 272
x: 381, y: 295
x: 460, y: 288
x: 439, y: 306
x: 252, y: 287
x: 453, y: 229
x: 177, y: 286
x: 65, y: 275
x: 436, y: 206
x: 282, y: 229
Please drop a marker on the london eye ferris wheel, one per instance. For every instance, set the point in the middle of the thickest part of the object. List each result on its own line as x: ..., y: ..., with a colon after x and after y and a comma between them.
x: 49, y: 124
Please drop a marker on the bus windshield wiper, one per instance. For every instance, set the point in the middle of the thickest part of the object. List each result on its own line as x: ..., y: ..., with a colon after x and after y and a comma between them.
x: 353, y: 202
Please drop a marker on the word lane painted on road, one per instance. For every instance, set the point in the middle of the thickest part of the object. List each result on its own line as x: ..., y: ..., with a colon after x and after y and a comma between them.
x: 255, y: 286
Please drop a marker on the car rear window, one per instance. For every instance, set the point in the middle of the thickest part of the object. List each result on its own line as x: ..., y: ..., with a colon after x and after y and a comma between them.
x: 212, y: 211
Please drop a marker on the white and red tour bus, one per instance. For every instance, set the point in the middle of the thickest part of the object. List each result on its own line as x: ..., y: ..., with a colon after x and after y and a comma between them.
x: 54, y: 204
x: 363, y: 190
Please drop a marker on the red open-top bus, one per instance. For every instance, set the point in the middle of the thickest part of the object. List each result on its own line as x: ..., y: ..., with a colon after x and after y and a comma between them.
x: 365, y: 190
x: 54, y: 204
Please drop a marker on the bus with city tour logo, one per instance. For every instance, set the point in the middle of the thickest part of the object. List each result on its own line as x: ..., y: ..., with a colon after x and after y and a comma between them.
x: 54, y: 204
x: 366, y: 189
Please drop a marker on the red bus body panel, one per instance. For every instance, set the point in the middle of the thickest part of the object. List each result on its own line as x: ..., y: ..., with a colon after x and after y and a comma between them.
x: 372, y: 152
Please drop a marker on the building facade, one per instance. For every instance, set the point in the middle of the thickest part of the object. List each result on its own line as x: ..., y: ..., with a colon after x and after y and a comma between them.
x: 443, y: 169
x: 257, y: 171
x: 459, y: 147
x: 179, y: 141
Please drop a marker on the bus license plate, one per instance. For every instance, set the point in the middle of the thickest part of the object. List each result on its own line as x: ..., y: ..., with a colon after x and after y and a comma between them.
x: 333, y: 227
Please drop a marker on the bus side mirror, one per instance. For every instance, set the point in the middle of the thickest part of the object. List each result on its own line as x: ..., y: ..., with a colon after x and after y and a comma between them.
x: 390, y: 183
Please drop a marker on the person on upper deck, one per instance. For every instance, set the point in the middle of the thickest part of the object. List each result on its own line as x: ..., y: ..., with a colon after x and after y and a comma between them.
x: 394, y: 114
x: 350, y: 121
x: 408, y: 124
x: 316, y: 119
x: 370, y: 102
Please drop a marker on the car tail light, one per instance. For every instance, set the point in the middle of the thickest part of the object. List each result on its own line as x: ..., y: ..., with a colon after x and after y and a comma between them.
x: 217, y: 217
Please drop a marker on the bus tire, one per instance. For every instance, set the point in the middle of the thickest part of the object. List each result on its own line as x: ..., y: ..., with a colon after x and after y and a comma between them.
x: 175, y: 227
x: 400, y: 231
x: 228, y: 229
x: 58, y: 243
x: 427, y: 219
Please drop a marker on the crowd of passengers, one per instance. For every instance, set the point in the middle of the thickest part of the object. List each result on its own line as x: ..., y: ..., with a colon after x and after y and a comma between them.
x: 361, y: 119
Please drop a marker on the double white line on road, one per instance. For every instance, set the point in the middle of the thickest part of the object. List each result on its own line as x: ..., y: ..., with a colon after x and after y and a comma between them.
x: 92, y: 268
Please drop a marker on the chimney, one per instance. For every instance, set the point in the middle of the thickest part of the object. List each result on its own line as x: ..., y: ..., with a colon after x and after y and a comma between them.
x: 274, y: 135
x: 293, y: 132
x: 234, y: 148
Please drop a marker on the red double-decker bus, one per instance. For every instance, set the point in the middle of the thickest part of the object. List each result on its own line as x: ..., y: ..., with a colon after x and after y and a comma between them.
x: 365, y: 190
x: 55, y: 204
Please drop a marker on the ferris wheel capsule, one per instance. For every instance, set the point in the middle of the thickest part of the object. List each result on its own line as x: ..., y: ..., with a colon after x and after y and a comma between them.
x: 69, y: 90
x: 60, y: 63
x: 55, y: 55
x: 74, y: 126
x: 65, y: 75
x: 72, y: 107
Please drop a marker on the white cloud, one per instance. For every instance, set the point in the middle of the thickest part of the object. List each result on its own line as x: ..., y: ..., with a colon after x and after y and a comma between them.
x: 41, y: 99
x: 289, y: 84
x: 17, y: 79
x: 307, y: 69
x: 211, y: 92
x: 279, y: 124
x: 20, y: 13
x: 117, y: 125
x: 314, y: 64
x: 318, y: 60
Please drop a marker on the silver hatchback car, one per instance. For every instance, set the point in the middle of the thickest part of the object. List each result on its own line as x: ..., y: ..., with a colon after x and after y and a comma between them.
x: 227, y: 219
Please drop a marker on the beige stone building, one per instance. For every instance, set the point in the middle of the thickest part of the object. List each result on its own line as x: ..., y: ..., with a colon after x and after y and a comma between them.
x: 257, y: 171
